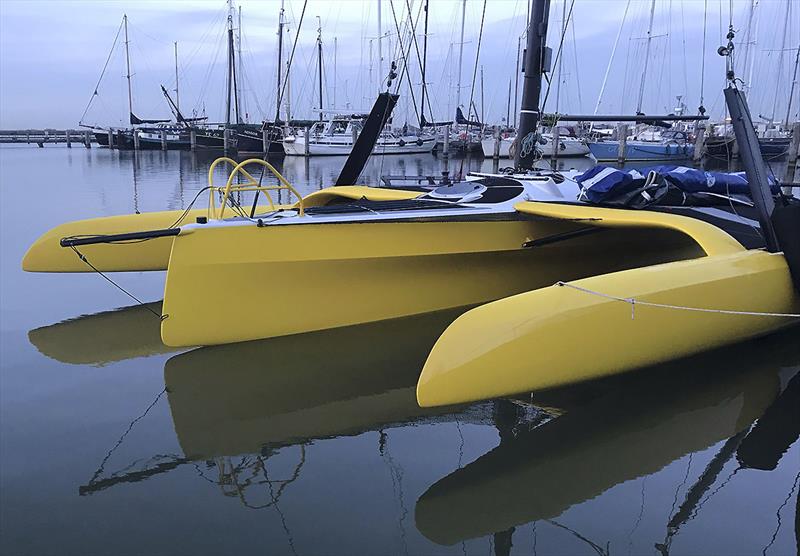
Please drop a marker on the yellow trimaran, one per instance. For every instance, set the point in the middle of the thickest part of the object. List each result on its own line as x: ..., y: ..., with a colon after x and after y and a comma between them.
x: 351, y: 255
x: 572, y: 291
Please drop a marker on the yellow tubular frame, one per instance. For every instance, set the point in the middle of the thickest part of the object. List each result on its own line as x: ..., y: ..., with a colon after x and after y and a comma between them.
x: 251, y: 185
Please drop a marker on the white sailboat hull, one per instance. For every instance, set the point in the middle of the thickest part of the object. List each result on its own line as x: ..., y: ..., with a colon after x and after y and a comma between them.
x: 296, y: 146
x: 568, y: 146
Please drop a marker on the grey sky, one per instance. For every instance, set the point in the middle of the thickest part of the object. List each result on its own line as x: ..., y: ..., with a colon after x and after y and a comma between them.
x: 51, y: 55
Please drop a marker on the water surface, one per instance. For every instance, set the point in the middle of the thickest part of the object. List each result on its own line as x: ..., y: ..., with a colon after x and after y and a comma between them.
x: 313, y: 444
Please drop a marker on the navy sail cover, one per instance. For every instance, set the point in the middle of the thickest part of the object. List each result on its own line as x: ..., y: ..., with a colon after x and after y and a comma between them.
x: 663, y: 184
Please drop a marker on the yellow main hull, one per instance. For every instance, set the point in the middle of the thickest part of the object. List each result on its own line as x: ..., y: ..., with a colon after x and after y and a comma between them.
x: 230, y: 284
x: 559, y: 335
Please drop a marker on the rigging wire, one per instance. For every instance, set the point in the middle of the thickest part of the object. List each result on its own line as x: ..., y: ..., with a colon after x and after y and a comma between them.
x: 703, y: 59
x: 477, y: 59
x: 404, y: 58
x: 102, y: 73
x: 558, y: 55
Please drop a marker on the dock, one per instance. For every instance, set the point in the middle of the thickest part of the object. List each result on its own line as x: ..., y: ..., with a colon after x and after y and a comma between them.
x: 43, y: 136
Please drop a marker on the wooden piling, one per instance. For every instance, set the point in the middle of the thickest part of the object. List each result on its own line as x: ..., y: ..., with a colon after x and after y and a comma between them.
x: 307, y: 132
x: 69, y: 139
x: 699, y: 143
x: 265, y: 140
x: 226, y: 140
x: 622, y: 136
x: 496, y: 152
x: 110, y: 139
x: 136, y: 140
x: 193, y: 140
x: 163, y: 139
x: 794, y: 154
x: 555, y: 145
x: 446, y: 156
x: 87, y: 139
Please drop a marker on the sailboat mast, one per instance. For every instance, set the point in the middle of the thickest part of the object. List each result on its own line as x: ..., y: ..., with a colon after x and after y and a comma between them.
x: 380, y: 51
x: 508, y: 105
x: 280, y: 63
x: 525, y: 154
x: 516, y: 82
x: 424, y: 63
x: 229, y: 76
x: 646, y: 57
x: 460, y: 53
x: 334, y: 72
x: 239, y: 54
x: 561, y: 53
x: 319, y: 63
x: 177, y: 94
x: 128, y: 68
x: 791, y: 90
x: 780, y: 60
x: 747, y: 45
x: 482, y: 120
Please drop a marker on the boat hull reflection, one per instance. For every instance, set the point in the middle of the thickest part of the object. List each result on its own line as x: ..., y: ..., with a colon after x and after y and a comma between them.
x: 239, y: 398
x: 103, y: 338
x: 635, y: 427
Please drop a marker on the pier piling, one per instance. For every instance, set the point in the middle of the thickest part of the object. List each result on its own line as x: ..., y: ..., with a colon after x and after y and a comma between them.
x: 555, y: 146
x: 136, y: 139
x: 87, y: 140
x: 496, y: 152
x: 446, y: 156
x: 622, y: 136
x: 163, y: 140
x: 226, y: 140
x: 265, y: 140
x: 794, y: 154
x: 69, y: 140
x: 110, y: 139
x: 193, y: 140
x: 307, y: 136
x: 699, y: 143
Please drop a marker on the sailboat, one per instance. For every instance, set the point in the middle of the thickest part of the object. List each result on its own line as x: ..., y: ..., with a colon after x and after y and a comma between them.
x: 647, y: 145
x: 242, y: 137
x: 349, y: 254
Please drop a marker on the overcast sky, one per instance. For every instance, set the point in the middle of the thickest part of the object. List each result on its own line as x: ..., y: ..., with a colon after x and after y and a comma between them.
x: 52, y: 54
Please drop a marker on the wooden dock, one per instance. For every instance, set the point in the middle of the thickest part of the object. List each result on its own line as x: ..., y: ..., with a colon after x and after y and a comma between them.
x: 43, y: 136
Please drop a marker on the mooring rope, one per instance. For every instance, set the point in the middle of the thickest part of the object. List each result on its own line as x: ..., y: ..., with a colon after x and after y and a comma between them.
x: 634, y: 302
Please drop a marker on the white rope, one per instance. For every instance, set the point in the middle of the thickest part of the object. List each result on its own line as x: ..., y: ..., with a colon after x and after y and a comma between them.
x: 633, y: 303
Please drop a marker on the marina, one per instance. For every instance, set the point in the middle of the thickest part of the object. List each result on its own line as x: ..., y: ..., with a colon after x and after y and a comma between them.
x: 88, y: 363
x: 406, y: 320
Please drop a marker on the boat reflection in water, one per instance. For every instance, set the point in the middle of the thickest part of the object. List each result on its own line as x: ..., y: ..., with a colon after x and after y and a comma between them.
x: 617, y: 430
x: 234, y: 406
x: 103, y: 338
x: 239, y: 398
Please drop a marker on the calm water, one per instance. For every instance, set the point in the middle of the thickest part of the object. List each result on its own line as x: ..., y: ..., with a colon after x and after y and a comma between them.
x: 114, y: 444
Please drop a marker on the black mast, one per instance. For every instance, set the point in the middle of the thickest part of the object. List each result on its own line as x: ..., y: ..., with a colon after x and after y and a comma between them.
x: 319, y: 64
x: 529, y: 116
x: 280, y: 62
x: 749, y: 150
x: 229, y: 80
x: 424, y: 64
x: 233, y: 74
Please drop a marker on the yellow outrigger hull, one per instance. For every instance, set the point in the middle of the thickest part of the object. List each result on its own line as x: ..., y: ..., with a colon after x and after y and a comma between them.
x: 581, y: 330
x: 47, y: 255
